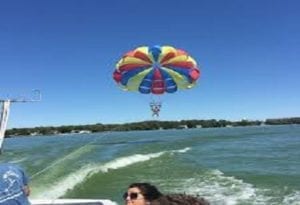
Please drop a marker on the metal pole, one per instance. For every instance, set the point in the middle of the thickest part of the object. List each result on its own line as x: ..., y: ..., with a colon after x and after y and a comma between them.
x: 3, y: 121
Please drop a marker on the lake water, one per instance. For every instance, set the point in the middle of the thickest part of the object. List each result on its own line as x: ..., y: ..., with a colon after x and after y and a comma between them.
x: 230, y: 166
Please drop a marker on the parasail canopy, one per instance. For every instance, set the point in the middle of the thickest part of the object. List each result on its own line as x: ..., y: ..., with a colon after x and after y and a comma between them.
x: 156, y: 70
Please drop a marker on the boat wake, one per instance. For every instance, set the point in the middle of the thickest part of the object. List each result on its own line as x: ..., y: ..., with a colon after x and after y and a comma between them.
x: 59, y: 188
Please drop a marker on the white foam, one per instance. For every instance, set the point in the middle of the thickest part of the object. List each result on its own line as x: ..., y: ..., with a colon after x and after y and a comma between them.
x: 292, y: 199
x: 184, y: 150
x: 222, y: 190
x: 73, y: 201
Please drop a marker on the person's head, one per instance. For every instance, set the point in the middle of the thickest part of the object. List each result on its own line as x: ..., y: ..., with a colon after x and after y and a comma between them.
x: 141, y: 194
x: 183, y: 199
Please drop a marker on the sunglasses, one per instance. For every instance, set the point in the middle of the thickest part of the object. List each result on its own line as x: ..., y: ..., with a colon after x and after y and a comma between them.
x: 132, y: 195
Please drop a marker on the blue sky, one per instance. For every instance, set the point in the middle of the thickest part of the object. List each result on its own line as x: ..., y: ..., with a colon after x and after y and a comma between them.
x: 248, y: 52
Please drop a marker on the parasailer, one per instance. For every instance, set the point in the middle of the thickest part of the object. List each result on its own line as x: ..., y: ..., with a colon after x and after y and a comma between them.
x: 155, y: 108
x: 156, y: 70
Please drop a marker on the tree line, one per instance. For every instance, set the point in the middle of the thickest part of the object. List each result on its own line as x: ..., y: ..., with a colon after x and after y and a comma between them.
x: 146, y: 125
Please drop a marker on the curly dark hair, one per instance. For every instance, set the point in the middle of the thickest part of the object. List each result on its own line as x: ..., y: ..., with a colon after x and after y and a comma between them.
x: 149, y: 191
x: 180, y: 199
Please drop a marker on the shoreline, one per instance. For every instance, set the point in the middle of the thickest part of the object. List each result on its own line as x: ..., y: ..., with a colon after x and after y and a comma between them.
x: 144, y: 125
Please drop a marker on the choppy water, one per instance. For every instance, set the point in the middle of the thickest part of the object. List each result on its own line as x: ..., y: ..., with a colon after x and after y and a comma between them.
x: 230, y: 166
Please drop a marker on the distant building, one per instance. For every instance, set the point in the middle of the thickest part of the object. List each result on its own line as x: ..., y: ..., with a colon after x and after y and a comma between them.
x: 182, y: 127
x: 84, y: 132
x: 80, y: 132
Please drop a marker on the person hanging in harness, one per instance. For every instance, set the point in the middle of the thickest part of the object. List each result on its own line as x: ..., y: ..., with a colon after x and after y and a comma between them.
x: 155, y: 108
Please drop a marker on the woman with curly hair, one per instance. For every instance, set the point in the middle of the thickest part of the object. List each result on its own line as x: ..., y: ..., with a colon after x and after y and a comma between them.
x: 141, y: 194
x: 147, y: 194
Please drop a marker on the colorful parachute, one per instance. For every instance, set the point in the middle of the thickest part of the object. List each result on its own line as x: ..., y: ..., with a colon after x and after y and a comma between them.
x: 156, y: 70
